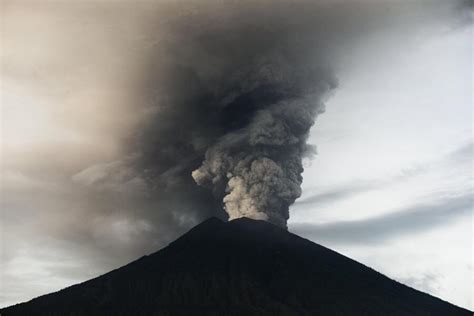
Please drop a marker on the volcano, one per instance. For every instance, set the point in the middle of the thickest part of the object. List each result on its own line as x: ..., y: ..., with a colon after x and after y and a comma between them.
x: 242, y: 267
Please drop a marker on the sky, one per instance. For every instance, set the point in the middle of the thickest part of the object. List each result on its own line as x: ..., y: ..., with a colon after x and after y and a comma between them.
x: 390, y: 184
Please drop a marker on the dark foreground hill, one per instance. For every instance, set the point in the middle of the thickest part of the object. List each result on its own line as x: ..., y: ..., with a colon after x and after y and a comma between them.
x: 243, y: 267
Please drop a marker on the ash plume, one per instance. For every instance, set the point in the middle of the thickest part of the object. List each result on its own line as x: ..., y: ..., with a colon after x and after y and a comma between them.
x: 239, y: 89
x: 232, y: 90
x: 256, y: 168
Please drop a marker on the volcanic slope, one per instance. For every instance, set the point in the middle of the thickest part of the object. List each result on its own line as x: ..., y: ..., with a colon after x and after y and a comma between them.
x: 242, y: 267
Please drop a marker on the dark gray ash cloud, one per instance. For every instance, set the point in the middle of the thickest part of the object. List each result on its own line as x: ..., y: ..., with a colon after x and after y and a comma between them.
x: 237, y: 90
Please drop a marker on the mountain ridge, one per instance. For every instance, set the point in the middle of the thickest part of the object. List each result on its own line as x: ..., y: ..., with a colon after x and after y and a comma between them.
x: 241, y: 267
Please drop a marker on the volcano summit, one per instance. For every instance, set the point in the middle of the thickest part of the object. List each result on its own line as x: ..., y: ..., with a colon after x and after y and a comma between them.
x: 242, y: 267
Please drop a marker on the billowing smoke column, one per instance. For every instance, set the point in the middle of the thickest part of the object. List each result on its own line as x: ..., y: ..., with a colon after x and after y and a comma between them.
x: 234, y: 91
x: 255, y: 168
x: 232, y: 107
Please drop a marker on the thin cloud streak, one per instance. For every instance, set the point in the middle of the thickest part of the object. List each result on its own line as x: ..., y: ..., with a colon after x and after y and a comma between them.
x: 378, y: 229
x: 460, y: 155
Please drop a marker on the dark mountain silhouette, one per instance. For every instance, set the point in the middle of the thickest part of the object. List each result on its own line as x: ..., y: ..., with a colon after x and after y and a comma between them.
x: 243, y: 267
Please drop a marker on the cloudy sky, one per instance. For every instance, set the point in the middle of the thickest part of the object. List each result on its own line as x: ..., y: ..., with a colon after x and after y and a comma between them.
x: 390, y: 185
